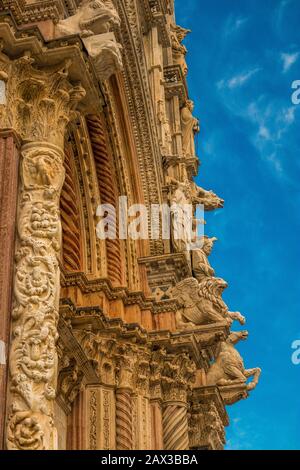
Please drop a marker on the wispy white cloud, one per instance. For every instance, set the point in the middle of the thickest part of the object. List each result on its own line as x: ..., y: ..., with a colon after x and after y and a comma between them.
x: 234, y: 23
x: 288, y: 59
x: 239, y: 435
x: 271, y: 121
x: 237, y: 80
x: 279, y: 13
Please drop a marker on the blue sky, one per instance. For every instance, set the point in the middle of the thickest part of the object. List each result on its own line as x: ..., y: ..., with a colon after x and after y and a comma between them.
x: 243, y: 57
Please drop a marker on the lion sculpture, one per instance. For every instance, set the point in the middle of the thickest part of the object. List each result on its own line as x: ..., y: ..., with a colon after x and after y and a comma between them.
x: 202, y: 303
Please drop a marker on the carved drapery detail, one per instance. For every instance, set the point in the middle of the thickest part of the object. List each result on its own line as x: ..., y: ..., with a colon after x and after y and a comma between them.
x: 40, y: 104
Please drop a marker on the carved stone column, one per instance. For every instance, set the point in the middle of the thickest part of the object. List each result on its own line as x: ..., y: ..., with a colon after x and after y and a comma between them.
x: 175, y: 423
x: 177, y: 377
x: 9, y: 160
x: 124, y: 403
x: 40, y: 103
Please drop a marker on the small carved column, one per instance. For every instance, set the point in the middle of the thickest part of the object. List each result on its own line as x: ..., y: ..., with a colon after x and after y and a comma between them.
x: 156, y: 367
x: 40, y: 103
x: 9, y: 161
x: 124, y: 403
x: 178, y: 374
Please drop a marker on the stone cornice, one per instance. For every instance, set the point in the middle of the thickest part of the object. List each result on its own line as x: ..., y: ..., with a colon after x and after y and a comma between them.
x: 24, y: 12
x: 199, y: 343
x: 117, y: 293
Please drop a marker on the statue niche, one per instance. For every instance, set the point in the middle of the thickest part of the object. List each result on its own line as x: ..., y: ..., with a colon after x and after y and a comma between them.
x: 201, y: 267
x: 190, y: 127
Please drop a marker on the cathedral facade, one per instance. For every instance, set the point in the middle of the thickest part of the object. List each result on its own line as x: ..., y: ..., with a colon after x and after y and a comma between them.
x: 106, y: 342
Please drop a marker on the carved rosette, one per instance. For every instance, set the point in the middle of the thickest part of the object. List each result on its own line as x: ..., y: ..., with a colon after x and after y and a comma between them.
x: 40, y: 104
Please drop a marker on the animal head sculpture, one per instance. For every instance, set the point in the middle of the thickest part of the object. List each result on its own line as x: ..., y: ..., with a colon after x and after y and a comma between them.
x: 91, y: 17
x: 236, y: 336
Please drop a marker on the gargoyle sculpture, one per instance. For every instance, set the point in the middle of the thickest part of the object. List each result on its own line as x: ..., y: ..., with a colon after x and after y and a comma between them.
x: 196, y: 194
x: 209, y: 199
x: 229, y: 367
x: 177, y: 35
x: 92, y: 17
x: 201, y: 267
x: 202, y: 303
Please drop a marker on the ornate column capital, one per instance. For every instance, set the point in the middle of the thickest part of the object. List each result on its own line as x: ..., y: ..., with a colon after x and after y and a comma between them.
x: 126, y: 357
x: 177, y: 377
x: 38, y: 103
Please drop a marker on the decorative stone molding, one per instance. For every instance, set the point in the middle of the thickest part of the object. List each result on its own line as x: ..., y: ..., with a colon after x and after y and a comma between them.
x: 140, y: 107
x: 100, y: 417
x: 25, y: 12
